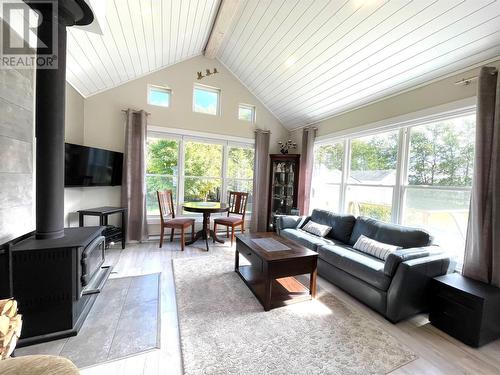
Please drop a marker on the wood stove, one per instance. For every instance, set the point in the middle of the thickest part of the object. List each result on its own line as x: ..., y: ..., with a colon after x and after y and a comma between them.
x: 56, y: 272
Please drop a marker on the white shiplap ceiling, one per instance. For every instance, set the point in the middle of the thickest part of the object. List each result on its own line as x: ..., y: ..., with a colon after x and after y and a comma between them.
x: 309, y: 60
x: 138, y: 37
x: 306, y: 60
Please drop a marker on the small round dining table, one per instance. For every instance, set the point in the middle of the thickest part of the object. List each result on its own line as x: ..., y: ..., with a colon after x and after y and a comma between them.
x: 206, y: 208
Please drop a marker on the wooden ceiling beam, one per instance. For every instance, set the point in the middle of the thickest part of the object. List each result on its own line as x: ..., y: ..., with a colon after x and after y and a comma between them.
x: 222, y: 23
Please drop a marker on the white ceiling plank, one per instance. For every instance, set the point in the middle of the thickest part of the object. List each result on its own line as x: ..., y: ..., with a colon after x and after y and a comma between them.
x: 429, y: 62
x: 291, y: 28
x: 338, y: 61
x: 346, y: 20
x: 411, y: 54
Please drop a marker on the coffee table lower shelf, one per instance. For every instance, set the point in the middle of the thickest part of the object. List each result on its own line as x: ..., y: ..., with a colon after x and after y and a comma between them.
x: 284, y: 291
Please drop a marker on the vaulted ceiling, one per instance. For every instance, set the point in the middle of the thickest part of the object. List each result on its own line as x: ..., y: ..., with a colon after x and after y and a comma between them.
x: 138, y: 37
x: 305, y: 60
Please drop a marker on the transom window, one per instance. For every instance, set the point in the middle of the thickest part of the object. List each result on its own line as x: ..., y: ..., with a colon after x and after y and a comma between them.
x: 196, y: 169
x: 429, y: 188
x: 246, y: 112
x: 206, y: 100
x: 159, y: 96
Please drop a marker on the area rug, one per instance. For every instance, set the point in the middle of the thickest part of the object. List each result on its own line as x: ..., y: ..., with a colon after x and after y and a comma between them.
x: 124, y: 321
x: 224, y: 329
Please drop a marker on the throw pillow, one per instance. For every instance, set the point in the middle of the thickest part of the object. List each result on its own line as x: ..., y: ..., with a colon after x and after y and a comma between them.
x: 316, y: 228
x: 374, y: 248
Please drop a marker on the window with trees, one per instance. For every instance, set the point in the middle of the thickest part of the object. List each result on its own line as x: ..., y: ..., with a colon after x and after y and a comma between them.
x: 202, y: 171
x: 429, y: 187
x: 196, y: 169
x: 440, y: 165
x: 372, y: 175
x: 240, y: 163
x: 162, y: 169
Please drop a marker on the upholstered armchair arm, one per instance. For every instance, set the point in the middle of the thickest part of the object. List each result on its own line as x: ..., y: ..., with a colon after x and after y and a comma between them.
x: 289, y: 221
x: 395, y: 258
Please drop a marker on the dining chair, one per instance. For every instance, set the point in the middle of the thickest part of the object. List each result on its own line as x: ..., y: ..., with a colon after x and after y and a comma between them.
x: 237, y: 206
x: 168, y: 219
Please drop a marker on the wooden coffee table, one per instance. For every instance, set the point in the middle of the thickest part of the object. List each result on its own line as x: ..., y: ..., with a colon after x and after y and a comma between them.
x: 270, y: 274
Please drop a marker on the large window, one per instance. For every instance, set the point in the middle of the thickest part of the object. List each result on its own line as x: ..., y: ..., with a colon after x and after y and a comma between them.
x: 419, y: 175
x: 162, y: 169
x: 206, y: 100
x: 202, y: 171
x: 437, y: 195
x: 327, y: 176
x: 372, y: 175
x: 240, y: 163
x: 196, y: 169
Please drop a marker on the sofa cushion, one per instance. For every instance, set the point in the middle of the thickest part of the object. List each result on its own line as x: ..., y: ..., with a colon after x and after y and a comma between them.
x: 305, y: 239
x: 341, y: 224
x: 364, y: 267
x: 317, y: 229
x: 374, y: 248
x: 393, y: 234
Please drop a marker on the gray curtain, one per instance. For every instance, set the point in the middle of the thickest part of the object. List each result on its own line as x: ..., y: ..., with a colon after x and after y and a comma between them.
x: 134, y: 169
x: 306, y: 169
x: 482, y: 248
x: 260, y: 181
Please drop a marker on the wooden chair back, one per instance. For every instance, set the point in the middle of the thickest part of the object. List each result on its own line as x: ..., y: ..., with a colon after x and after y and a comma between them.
x: 237, y: 203
x: 166, y: 203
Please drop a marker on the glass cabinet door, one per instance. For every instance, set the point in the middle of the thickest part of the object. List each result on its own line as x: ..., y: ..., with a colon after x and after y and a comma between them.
x: 284, y: 176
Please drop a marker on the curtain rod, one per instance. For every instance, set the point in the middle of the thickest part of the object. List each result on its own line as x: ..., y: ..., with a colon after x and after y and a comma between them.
x: 468, y: 81
x: 135, y: 111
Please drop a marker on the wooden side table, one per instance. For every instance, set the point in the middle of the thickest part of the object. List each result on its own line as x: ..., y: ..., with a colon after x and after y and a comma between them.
x: 465, y: 309
x: 103, y: 214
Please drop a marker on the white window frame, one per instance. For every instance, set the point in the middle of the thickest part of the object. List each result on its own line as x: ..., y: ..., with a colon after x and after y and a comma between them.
x: 401, y: 185
x: 163, y: 89
x: 251, y: 108
x: 209, y: 89
x: 183, y: 136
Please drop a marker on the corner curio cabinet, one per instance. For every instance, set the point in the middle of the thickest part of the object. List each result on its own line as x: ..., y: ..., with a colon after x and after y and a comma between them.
x: 283, y: 187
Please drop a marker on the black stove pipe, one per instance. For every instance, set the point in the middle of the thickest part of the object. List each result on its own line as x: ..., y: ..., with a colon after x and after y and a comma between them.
x: 50, y: 113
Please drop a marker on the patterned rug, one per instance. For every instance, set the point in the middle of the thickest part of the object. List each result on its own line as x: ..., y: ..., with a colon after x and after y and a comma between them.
x: 123, y: 321
x: 224, y: 329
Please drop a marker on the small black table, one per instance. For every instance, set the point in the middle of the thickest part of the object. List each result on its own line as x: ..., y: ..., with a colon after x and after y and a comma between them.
x: 465, y: 309
x: 103, y: 213
x: 206, y: 208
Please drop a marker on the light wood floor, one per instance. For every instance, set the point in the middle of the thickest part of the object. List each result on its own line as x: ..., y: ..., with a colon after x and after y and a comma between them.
x: 438, y: 353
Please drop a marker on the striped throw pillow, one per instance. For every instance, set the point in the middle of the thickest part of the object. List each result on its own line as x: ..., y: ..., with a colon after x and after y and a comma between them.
x: 374, y: 248
x: 316, y: 229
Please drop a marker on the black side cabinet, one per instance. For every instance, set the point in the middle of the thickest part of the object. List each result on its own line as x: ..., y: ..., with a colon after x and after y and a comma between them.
x: 465, y: 309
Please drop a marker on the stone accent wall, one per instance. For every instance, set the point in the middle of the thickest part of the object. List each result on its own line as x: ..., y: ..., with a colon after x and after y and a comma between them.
x: 16, y: 153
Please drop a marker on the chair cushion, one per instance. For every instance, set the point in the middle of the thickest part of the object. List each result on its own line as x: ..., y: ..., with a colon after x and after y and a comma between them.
x: 392, y: 234
x: 364, y: 267
x: 305, y: 239
x: 230, y: 220
x: 179, y: 221
x: 341, y: 224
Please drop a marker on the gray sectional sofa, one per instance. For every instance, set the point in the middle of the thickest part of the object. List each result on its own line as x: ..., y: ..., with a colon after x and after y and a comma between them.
x: 397, y: 288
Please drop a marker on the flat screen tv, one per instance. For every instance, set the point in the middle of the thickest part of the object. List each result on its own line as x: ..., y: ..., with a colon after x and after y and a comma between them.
x: 89, y: 166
